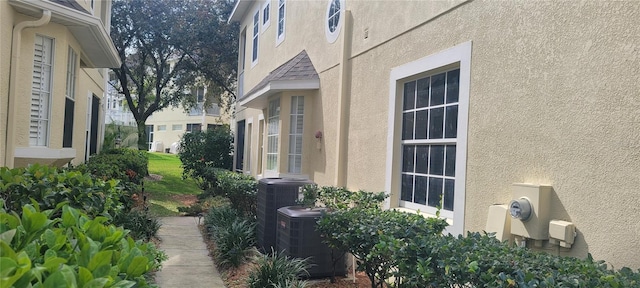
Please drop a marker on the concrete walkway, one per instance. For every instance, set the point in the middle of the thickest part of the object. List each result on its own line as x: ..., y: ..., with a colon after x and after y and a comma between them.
x: 189, y: 264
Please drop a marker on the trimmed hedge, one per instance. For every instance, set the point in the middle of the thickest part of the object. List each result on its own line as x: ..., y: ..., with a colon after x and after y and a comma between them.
x: 121, y: 163
x: 48, y: 187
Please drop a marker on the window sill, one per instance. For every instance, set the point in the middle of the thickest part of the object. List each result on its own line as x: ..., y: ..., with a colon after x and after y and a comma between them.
x: 423, y: 214
x: 43, y: 155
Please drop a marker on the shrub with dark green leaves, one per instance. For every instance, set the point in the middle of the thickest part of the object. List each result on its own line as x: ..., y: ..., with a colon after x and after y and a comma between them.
x: 365, y: 233
x: 125, y: 164
x: 141, y: 224
x: 241, y: 189
x: 203, y: 205
x: 202, y: 151
x: 38, y: 249
x: 48, y: 187
x: 278, y: 271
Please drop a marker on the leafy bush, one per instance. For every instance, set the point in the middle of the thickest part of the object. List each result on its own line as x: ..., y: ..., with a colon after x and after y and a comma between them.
x: 241, y: 189
x: 121, y: 163
x: 48, y: 187
x: 480, y: 260
x: 39, y: 249
x: 338, y: 198
x: 141, y: 224
x: 366, y: 233
x: 278, y: 271
x: 202, y: 151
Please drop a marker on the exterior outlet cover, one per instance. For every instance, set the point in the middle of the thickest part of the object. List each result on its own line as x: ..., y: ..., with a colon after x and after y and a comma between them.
x: 499, y: 222
x: 562, y: 230
x: 537, y: 225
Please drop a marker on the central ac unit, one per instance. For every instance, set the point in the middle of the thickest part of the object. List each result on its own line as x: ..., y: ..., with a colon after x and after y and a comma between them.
x: 297, y: 237
x: 274, y: 193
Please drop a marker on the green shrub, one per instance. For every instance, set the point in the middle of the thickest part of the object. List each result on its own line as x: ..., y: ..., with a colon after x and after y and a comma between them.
x: 48, y: 187
x: 241, y: 189
x: 125, y: 164
x: 202, y: 151
x: 366, y: 233
x: 141, y: 224
x: 219, y: 219
x: 278, y: 271
x: 235, y: 243
x: 479, y: 260
x: 73, y: 250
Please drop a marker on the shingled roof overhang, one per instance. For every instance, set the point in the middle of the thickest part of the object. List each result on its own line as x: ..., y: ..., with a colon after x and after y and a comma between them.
x: 294, y: 75
x: 97, y: 47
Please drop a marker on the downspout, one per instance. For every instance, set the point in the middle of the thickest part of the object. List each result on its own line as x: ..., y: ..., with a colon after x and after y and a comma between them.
x: 13, y: 75
x: 343, y: 101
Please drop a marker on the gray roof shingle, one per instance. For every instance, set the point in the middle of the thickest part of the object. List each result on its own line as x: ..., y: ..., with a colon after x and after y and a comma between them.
x: 71, y: 4
x: 298, y: 68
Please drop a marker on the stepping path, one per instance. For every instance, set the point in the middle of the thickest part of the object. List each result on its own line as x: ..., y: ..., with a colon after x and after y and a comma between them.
x: 189, y: 264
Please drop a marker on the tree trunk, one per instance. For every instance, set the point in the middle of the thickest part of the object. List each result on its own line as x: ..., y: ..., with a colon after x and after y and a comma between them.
x: 142, y: 136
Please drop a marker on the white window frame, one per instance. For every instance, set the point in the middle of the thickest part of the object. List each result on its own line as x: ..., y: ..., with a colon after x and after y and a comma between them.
x: 255, y: 39
x: 281, y: 19
x: 459, y: 55
x: 43, y: 119
x: 176, y: 127
x: 333, y: 36
x: 162, y: 128
x: 273, y: 134
x: 266, y: 17
x: 72, y: 59
x: 295, y: 136
x: 190, y: 127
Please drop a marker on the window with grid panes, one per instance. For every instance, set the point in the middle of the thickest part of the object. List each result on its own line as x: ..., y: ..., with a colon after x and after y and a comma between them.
x: 429, y: 135
x: 256, y: 33
x: 295, y: 134
x: 281, y: 19
x: 273, y: 130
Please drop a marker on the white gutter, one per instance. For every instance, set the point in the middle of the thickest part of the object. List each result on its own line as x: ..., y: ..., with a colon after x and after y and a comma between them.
x: 13, y: 75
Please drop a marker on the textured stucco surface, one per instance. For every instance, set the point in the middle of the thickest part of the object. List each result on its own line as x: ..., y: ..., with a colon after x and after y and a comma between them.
x: 6, y: 27
x: 553, y: 100
x: 88, y: 82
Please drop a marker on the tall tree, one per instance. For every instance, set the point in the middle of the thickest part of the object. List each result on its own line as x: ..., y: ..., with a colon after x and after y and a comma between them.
x: 166, y: 46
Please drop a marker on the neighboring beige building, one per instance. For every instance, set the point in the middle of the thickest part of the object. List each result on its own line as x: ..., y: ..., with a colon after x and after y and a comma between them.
x: 52, y: 80
x: 166, y: 127
x: 454, y: 99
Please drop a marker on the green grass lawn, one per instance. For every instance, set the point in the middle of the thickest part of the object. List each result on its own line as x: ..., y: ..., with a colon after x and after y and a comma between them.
x: 164, y: 195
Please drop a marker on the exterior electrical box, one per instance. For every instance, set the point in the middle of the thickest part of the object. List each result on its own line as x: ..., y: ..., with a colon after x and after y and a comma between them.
x: 534, y: 201
x: 274, y: 193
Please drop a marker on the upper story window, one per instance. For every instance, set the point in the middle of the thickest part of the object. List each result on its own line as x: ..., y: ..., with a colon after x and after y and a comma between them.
x: 162, y: 127
x: 192, y: 127
x: 335, y: 17
x: 281, y: 19
x: 266, y: 16
x: 199, y: 91
x: 69, y: 104
x: 256, y: 32
x: 41, y: 91
x: 427, y: 160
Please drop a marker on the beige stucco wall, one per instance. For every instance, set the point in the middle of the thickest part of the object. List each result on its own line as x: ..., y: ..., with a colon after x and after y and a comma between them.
x: 177, y: 115
x: 6, y: 27
x: 88, y: 82
x: 553, y: 100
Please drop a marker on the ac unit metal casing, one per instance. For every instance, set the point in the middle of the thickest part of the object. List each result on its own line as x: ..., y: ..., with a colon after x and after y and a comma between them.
x: 274, y: 193
x: 297, y: 237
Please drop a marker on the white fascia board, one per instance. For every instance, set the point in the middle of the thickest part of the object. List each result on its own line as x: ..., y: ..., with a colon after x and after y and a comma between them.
x: 258, y: 99
x: 239, y: 10
x: 83, y: 26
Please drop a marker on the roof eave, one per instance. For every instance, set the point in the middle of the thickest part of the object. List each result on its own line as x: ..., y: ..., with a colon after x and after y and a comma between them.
x: 239, y: 10
x: 259, y: 98
x: 97, y: 53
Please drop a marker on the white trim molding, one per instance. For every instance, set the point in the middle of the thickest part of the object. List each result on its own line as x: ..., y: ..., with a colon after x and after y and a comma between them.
x: 460, y: 56
x: 258, y: 99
